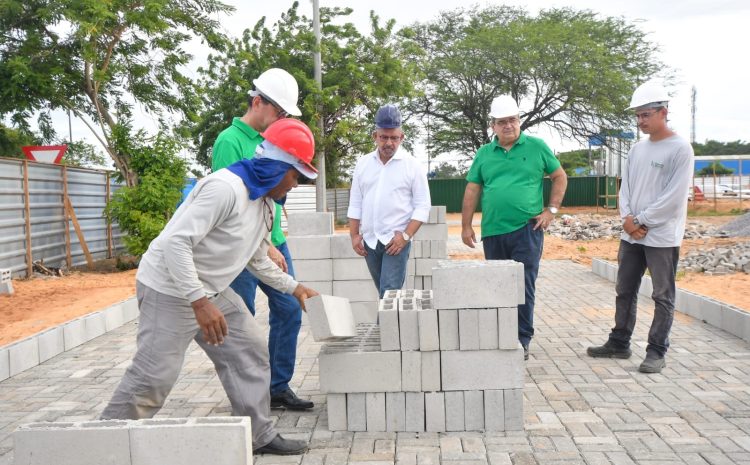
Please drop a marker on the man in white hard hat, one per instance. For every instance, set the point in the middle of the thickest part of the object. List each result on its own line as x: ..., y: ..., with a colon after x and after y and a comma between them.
x: 183, y: 289
x: 273, y: 98
x: 388, y: 202
x: 508, y: 174
x: 653, y: 209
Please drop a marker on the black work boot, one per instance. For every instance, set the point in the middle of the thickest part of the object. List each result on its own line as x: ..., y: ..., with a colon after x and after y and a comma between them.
x: 652, y: 364
x: 608, y: 350
x: 289, y: 400
x: 281, y: 446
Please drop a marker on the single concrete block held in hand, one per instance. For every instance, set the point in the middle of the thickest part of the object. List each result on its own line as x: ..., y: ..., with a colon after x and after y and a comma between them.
x: 330, y: 318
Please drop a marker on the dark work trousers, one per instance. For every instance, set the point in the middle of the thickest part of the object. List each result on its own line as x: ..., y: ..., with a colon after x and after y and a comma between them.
x: 661, y: 262
x: 523, y: 245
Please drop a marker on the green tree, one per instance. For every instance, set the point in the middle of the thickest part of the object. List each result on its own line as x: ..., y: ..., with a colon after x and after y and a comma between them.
x: 101, y: 59
x: 713, y: 147
x: 83, y: 155
x: 143, y: 210
x: 714, y: 168
x: 11, y: 141
x: 359, y: 74
x: 448, y: 171
x: 575, y: 159
x: 571, y: 70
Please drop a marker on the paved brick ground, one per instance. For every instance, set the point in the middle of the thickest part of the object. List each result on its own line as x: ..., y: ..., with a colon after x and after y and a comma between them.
x: 578, y: 409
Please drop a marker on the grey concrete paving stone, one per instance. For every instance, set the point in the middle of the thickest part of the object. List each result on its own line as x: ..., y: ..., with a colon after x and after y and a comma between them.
x: 593, y: 411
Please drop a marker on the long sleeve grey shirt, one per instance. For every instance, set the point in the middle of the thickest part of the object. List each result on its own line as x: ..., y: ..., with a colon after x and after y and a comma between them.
x: 654, y: 189
x: 212, y: 236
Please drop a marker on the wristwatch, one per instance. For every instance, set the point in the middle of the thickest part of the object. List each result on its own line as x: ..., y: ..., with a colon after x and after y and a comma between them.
x: 553, y: 210
x: 407, y: 237
x: 635, y: 221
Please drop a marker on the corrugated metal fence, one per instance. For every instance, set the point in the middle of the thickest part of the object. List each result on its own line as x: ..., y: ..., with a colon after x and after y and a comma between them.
x: 33, y: 224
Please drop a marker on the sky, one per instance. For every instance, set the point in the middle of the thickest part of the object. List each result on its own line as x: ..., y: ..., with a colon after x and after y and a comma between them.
x: 704, y: 41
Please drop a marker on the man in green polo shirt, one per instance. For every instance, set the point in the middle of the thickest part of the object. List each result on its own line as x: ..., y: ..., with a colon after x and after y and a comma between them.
x: 508, y: 175
x: 274, y: 97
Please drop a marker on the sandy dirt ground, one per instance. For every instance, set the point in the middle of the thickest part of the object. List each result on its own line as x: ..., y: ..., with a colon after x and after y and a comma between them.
x: 41, y: 303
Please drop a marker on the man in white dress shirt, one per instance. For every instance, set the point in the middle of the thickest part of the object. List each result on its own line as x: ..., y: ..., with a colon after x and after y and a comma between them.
x: 389, y: 201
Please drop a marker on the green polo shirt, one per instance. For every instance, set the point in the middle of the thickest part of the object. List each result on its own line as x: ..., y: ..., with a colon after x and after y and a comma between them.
x: 512, y: 182
x: 235, y: 143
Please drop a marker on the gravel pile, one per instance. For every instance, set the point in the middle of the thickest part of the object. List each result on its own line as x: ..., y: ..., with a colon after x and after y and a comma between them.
x: 718, y: 261
x: 589, y: 227
x: 739, y: 227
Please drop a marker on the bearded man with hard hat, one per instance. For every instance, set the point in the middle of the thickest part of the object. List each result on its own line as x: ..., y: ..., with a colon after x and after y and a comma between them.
x: 653, y: 209
x: 508, y: 174
x: 183, y: 292
x: 274, y: 97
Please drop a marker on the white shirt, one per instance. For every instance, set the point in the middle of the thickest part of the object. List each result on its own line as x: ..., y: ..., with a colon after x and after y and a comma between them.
x: 214, y: 234
x: 386, y: 197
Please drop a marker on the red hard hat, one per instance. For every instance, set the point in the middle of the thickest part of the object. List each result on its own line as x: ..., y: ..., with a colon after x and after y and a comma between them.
x: 293, y: 137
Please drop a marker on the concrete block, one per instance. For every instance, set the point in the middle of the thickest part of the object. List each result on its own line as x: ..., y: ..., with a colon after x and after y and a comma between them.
x: 647, y: 287
x: 494, y: 410
x: 488, y: 328
x: 408, y: 324
x: 356, y: 412
x: 411, y: 371
x: 468, y: 370
x: 433, y: 218
x: 341, y: 247
x: 441, y: 211
x: 130, y: 310
x: 395, y: 411
x: 434, y: 411
x: 468, y: 329
x: 513, y: 399
x: 735, y: 321
x: 416, y: 250
x: 6, y: 288
x: 5, y: 275
x: 113, y: 317
x: 74, y: 333
x: 684, y: 302
x: 4, y: 363
x: 184, y: 441
x: 51, y: 343
x: 336, y: 404
x: 392, y: 294
x: 427, y: 283
x: 330, y: 318
x: 474, y: 410
x: 435, y: 231
x: 411, y: 267
x: 94, y: 325
x: 390, y: 338
x: 477, y: 284
x: 409, y: 282
x: 454, y: 411
x: 414, y: 412
x: 507, y: 319
x: 448, y: 328
x: 364, y: 312
x: 424, y: 266
x: 313, y: 270
x: 307, y: 223
x: 712, y: 312
x: 612, y: 272
x: 350, y: 269
x: 375, y: 406
x: 439, y: 249
x: 429, y: 337
x: 362, y: 290
x: 88, y: 443
x: 323, y: 287
x: 23, y: 355
x: 365, y: 370
x: 431, y: 371
x: 309, y: 247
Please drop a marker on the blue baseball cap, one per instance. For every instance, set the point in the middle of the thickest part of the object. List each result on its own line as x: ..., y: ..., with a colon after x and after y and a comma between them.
x: 388, y: 117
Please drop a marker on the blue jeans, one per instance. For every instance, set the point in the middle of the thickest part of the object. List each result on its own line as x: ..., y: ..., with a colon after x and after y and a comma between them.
x: 387, y: 271
x: 633, y: 260
x: 284, y: 319
x: 523, y: 245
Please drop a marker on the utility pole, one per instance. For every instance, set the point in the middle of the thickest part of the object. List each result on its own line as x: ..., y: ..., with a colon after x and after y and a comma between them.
x: 320, y: 183
x: 692, y: 114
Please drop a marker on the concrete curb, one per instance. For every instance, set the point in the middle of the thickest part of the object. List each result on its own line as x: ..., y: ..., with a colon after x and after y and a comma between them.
x: 711, y: 311
x: 40, y: 347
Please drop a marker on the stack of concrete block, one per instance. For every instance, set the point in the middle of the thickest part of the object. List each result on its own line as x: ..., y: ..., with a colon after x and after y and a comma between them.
x: 327, y: 263
x: 178, y: 441
x: 440, y: 360
x: 6, y: 285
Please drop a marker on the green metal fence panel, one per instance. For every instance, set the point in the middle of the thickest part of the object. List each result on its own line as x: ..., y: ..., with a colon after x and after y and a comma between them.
x: 582, y: 191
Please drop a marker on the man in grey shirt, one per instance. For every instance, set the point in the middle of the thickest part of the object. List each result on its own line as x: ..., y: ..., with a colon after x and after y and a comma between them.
x: 653, y: 207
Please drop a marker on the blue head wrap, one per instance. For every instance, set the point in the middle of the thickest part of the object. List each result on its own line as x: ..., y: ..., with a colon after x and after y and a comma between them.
x: 260, y: 175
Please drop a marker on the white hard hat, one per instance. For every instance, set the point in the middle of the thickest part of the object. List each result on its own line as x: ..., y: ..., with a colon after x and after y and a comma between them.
x: 650, y: 94
x: 503, y: 106
x: 280, y: 87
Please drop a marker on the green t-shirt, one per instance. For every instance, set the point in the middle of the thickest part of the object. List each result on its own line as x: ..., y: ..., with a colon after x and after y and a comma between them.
x: 235, y: 143
x: 512, y: 182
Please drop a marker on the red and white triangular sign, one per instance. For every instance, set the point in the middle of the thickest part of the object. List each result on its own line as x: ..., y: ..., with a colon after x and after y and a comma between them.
x: 45, y: 153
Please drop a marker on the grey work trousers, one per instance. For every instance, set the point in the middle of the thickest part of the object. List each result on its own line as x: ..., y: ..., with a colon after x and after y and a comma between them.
x: 633, y: 260
x: 166, y: 326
